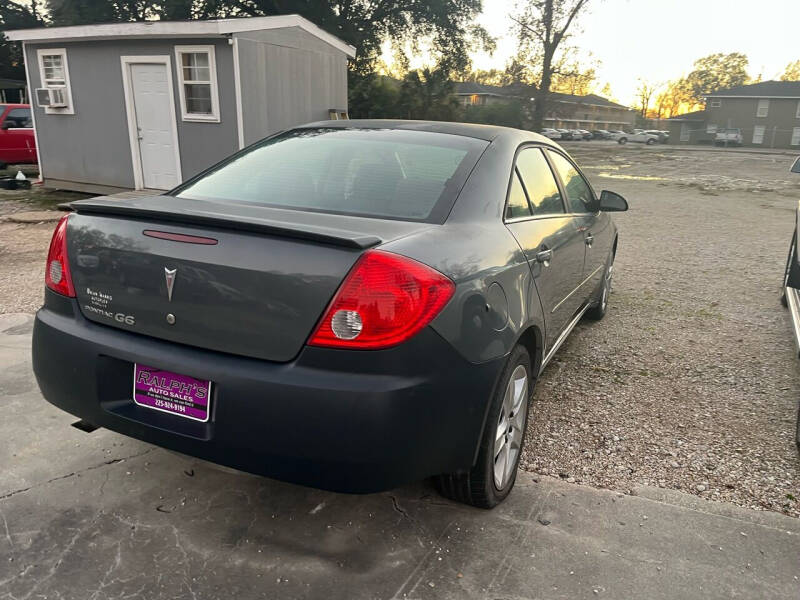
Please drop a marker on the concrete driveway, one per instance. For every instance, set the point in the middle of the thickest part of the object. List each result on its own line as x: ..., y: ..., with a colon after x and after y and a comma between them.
x: 94, y: 516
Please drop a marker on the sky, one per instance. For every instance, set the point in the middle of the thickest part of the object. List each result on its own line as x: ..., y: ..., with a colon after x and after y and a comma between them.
x: 659, y: 40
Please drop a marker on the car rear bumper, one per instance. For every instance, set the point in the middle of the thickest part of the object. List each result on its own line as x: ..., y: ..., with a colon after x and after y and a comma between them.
x: 341, y: 420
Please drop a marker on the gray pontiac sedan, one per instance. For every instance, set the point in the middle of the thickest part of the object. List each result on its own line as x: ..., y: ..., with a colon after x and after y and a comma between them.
x: 349, y: 305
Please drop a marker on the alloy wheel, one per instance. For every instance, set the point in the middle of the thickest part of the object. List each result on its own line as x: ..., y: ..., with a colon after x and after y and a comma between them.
x: 510, y: 427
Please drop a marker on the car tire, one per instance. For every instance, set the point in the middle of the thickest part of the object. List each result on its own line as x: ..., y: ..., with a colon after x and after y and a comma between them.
x: 489, y: 481
x: 600, y: 301
x: 622, y: 141
x: 650, y: 142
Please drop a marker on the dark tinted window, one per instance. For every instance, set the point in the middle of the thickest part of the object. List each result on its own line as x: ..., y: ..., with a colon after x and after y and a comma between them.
x: 539, y: 182
x: 517, y: 201
x: 579, y: 194
x: 19, y: 117
x: 410, y: 175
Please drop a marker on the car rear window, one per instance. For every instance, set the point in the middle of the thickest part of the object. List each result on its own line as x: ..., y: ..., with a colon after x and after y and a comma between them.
x: 386, y: 173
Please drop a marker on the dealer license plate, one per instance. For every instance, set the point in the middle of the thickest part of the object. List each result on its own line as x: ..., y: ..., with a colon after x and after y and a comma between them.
x: 171, y: 392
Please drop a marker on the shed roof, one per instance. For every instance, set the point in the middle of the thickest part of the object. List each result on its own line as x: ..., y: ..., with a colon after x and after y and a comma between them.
x: 765, y: 89
x: 146, y: 29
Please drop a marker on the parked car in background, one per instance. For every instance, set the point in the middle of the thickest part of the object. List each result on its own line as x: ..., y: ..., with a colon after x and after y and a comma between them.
x: 349, y: 305
x: 601, y: 134
x: 585, y: 134
x: 566, y: 134
x: 552, y: 134
x: 662, y: 137
x: 730, y: 136
x: 615, y: 134
x: 17, y: 140
x: 642, y: 137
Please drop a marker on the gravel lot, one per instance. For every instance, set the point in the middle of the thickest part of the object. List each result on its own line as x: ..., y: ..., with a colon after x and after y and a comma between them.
x: 690, y: 382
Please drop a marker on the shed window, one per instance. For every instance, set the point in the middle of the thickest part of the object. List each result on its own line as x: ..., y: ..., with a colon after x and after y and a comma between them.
x: 716, y: 103
x: 797, y: 114
x: 54, y: 75
x: 197, y: 74
x: 763, y: 108
x: 795, y: 136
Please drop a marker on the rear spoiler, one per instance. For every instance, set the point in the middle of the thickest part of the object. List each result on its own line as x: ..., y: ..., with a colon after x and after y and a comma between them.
x: 237, y: 217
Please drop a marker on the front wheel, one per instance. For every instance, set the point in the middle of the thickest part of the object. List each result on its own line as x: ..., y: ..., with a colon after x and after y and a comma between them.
x: 622, y: 140
x: 650, y: 142
x: 492, y: 476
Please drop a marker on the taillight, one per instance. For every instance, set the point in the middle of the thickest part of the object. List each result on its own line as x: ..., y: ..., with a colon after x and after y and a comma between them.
x: 384, y: 300
x: 56, y: 273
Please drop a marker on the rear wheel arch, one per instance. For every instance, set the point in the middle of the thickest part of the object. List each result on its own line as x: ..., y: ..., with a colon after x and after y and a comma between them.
x: 531, y: 339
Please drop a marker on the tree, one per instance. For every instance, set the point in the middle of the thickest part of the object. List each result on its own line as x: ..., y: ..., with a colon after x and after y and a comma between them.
x: 507, y: 114
x: 542, y: 27
x: 644, y: 94
x: 428, y: 94
x: 15, y: 16
x: 675, y: 98
x: 574, y: 80
x: 792, y: 72
x: 717, y: 72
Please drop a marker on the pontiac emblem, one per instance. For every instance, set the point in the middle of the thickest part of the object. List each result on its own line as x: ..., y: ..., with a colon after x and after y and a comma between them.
x: 169, y: 274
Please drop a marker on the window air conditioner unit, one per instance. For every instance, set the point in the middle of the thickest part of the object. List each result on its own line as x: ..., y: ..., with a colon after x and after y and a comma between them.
x: 51, y: 97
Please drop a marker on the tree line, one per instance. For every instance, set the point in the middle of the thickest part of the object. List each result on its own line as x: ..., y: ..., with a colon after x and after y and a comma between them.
x: 686, y: 94
x: 545, y: 60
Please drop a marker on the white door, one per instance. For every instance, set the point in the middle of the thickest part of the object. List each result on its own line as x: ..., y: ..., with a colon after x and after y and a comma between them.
x: 155, y: 125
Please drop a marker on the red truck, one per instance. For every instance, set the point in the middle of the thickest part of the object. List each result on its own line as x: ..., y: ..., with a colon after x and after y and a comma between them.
x: 17, y: 141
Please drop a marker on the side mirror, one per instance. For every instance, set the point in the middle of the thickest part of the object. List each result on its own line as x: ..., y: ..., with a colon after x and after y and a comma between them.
x: 796, y: 166
x: 6, y: 125
x: 612, y: 202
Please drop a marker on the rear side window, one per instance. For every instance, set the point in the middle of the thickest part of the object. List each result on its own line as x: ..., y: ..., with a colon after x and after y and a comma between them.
x: 19, y: 118
x: 385, y: 173
x: 517, y: 200
x: 579, y: 194
x: 540, y: 184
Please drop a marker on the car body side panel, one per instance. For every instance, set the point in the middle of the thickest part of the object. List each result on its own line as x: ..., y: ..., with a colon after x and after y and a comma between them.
x: 602, y: 229
x: 556, y: 280
x: 495, y: 300
x: 487, y: 253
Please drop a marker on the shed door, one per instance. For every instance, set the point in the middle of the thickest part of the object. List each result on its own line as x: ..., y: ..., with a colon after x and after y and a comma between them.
x: 155, y: 126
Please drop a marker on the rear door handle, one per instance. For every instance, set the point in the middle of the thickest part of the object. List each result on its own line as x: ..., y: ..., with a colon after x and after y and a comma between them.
x: 544, y: 256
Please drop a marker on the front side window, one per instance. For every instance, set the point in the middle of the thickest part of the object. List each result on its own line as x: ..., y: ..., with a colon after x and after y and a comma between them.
x: 763, y: 108
x: 197, y: 76
x: 540, y: 183
x: 384, y: 173
x: 54, y: 76
x: 579, y: 194
x: 19, y: 118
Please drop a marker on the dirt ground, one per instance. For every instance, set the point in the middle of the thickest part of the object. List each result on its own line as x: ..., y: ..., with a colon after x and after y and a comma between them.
x: 691, y: 381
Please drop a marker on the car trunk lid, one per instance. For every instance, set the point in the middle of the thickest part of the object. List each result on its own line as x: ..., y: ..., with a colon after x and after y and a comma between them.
x: 246, y: 280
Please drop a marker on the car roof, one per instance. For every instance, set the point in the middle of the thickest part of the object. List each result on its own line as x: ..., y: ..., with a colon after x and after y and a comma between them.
x: 474, y: 130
